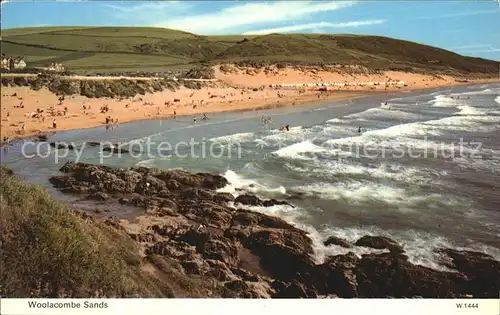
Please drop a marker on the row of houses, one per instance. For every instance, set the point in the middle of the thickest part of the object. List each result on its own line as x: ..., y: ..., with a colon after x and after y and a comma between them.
x: 13, y: 63
x: 57, y: 67
x: 17, y: 63
x: 340, y: 84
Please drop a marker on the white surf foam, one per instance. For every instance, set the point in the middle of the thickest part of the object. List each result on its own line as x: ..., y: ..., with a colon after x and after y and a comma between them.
x: 331, y: 169
x: 485, y: 91
x: 497, y: 99
x: 399, y: 199
x: 467, y: 110
x: 384, y: 112
x: 239, y: 185
x: 234, y: 138
x: 297, y: 133
x: 294, y: 151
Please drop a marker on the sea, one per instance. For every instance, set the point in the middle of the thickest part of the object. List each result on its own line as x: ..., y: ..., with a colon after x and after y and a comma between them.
x: 420, y: 167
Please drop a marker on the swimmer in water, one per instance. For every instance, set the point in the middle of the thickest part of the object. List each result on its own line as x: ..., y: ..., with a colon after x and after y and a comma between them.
x: 194, y: 120
x: 359, y: 129
x: 287, y: 127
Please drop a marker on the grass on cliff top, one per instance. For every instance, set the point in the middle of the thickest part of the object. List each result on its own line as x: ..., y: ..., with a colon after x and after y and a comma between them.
x: 116, y: 48
x: 49, y: 250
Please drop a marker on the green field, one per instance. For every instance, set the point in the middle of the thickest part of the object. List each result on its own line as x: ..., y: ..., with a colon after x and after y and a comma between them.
x: 111, y: 49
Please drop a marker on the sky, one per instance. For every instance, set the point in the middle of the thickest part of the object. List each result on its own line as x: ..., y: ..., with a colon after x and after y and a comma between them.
x: 467, y: 27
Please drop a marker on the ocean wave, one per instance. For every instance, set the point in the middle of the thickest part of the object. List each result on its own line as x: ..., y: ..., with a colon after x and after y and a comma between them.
x: 331, y: 169
x: 234, y: 138
x: 150, y: 163
x: 297, y: 133
x: 402, y: 146
x: 294, y: 151
x: 384, y: 113
x: 238, y: 185
x: 444, y: 101
x: 366, y: 192
x: 482, y: 92
x: 467, y: 110
x: 419, y: 246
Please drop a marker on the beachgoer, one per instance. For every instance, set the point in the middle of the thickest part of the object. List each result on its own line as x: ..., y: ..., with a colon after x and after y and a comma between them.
x: 175, y: 114
x: 194, y: 120
x: 204, y: 117
x: 287, y: 127
x: 54, y: 124
x: 359, y: 129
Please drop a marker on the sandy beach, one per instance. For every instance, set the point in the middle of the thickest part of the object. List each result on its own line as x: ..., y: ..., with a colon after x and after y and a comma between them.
x: 240, y: 89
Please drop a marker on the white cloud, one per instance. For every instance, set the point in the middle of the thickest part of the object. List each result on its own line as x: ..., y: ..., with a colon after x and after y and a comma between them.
x: 313, y: 26
x: 148, y: 13
x: 252, y: 13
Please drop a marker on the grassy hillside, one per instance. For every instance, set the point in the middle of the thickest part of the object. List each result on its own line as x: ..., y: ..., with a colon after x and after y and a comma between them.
x: 157, y: 49
x: 51, y: 251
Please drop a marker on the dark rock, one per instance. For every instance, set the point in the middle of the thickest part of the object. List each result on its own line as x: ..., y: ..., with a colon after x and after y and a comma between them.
x: 116, y: 150
x: 222, y: 198
x: 196, y: 267
x: 173, y: 185
x: 179, y: 250
x: 62, y: 145
x: 197, y: 193
x: 245, y: 218
x: 222, y: 250
x: 387, y: 275
x: 379, y: 242
x: 249, y: 200
x: 245, y: 275
x: 144, y: 237
x: 276, y: 246
x: 241, y: 288
x: 347, y: 261
x: 213, y: 182
x: 333, y: 240
x: 274, y: 202
x: 209, y: 214
x: 482, y: 270
x: 294, y: 289
x: 219, y: 271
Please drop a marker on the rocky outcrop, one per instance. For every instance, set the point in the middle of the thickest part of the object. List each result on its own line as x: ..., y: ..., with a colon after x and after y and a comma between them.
x: 379, y: 242
x: 251, y: 200
x: 252, y: 255
x: 333, y: 240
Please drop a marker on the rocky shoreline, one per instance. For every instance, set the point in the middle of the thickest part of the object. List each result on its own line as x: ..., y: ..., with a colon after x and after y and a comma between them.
x: 253, y: 255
